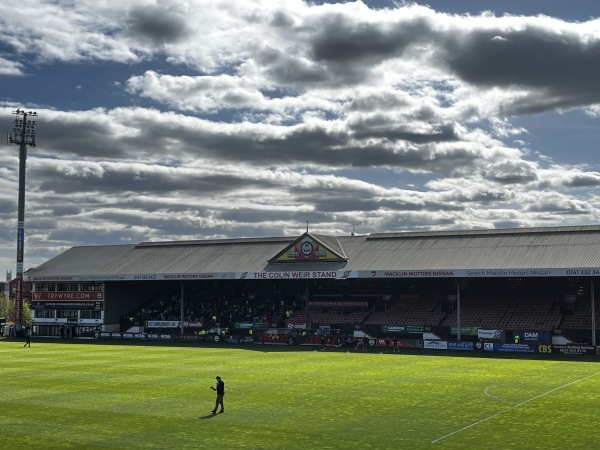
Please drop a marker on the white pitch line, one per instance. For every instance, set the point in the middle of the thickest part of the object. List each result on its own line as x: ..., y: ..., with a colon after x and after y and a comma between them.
x: 513, y: 407
x: 495, y: 398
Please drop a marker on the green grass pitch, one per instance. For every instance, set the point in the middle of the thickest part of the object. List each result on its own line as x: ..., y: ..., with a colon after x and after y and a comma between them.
x: 58, y: 395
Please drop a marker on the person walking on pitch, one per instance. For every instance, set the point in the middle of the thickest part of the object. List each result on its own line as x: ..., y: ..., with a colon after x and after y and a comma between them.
x: 28, y: 335
x: 220, y: 389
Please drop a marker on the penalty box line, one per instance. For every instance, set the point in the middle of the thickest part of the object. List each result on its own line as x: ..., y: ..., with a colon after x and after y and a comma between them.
x: 513, y: 407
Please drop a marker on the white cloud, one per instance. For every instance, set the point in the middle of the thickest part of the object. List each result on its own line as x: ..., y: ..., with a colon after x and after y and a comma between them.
x: 10, y: 68
x: 254, y: 110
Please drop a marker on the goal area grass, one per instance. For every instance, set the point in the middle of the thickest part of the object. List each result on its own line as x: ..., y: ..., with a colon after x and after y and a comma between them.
x: 58, y: 395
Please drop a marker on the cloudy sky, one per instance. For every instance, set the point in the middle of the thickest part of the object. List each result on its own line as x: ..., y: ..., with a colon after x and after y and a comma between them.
x: 194, y: 119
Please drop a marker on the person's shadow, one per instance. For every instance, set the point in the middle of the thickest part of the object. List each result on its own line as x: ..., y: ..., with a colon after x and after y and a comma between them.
x: 209, y: 416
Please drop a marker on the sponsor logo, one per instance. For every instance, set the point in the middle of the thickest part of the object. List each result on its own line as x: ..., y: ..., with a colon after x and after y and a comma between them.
x: 145, y: 277
x: 514, y: 348
x: 461, y: 345
x: 575, y: 349
x: 188, y: 276
x: 62, y: 296
x: 162, y: 324
x: 436, y: 345
x: 489, y: 334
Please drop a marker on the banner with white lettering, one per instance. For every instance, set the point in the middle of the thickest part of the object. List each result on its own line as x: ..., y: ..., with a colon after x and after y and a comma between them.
x: 317, y: 274
x: 163, y: 324
x: 531, y: 335
x: 67, y: 296
x: 435, y: 345
x: 292, y: 275
x: 489, y: 334
x: 511, y: 348
x: 465, y: 346
x: 65, y: 305
x: 573, y: 349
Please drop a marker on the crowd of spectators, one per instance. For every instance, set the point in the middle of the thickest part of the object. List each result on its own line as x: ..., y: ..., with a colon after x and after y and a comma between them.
x: 222, y: 303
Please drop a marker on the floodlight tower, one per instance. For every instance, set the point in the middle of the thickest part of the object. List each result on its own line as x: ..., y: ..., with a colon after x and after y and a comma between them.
x: 23, y: 135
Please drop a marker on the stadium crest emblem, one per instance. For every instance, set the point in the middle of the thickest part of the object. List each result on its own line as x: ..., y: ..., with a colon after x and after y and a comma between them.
x: 309, y: 248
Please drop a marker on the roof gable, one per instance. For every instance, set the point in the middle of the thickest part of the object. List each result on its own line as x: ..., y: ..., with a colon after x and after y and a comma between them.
x: 309, y: 248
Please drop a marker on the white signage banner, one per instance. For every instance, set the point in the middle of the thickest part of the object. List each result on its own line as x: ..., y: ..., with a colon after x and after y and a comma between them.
x: 290, y: 275
x: 317, y: 274
x: 163, y: 324
x: 489, y: 334
x: 435, y: 345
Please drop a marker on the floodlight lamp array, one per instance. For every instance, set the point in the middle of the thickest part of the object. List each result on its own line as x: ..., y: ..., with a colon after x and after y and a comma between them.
x: 22, y: 134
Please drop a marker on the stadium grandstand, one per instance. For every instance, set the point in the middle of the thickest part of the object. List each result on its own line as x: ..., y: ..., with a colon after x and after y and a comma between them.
x: 513, y: 287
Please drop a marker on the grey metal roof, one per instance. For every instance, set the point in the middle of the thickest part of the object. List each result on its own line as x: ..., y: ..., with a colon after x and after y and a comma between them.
x: 524, y: 248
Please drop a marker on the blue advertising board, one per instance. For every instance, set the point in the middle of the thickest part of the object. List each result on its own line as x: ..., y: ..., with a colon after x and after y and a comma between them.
x: 467, y: 346
x: 511, y: 348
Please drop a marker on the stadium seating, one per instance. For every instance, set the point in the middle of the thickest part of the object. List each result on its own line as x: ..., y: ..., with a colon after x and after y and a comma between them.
x: 514, y: 304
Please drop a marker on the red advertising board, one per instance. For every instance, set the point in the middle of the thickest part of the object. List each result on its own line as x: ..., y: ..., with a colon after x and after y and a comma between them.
x: 68, y: 296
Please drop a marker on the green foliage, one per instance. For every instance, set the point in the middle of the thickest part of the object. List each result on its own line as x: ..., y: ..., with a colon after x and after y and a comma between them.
x: 7, y: 310
x: 27, y: 316
x: 142, y: 396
